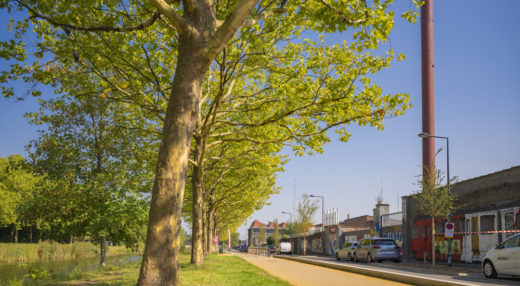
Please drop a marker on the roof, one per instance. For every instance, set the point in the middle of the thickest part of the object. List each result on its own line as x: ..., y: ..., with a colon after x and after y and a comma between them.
x: 360, y: 221
x: 257, y: 224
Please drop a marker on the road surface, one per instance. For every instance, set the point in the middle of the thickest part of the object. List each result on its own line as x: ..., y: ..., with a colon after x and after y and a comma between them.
x: 302, y: 274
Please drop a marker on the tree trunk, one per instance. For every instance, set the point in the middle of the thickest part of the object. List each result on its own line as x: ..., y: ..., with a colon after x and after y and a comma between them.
x: 14, y: 233
x: 197, y: 254
x: 160, y: 264
x: 433, y: 242
x: 211, y: 230
x: 205, y: 235
x: 103, y: 251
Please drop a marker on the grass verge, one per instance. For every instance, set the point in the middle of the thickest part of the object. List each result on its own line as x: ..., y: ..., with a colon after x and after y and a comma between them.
x: 216, y: 270
x: 46, y: 251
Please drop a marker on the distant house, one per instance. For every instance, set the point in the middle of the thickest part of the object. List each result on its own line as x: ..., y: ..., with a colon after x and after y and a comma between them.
x: 356, y: 228
x: 254, y: 231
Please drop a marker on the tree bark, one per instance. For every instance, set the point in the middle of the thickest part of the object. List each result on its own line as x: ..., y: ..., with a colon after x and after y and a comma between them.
x: 433, y: 242
x: 205, y: 236
x: 14, y: 233
x: 103, y: 251
x: 199, y: 43
x: 160, y: 264
x: 211, y: 230
x: 197, y: 252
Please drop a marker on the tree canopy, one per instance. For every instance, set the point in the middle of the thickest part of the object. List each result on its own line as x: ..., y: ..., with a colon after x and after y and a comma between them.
x: 156, y: 56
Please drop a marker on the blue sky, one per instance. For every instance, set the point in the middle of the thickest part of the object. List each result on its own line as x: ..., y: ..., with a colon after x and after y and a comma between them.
x: 477, y: 106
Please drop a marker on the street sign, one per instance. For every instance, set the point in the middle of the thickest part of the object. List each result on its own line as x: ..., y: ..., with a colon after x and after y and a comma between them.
x: 449, y: 230
x: 333, y: 229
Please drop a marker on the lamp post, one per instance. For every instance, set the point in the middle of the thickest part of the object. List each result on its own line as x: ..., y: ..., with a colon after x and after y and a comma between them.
x: 426, y: 135
x: 322, y: 210
x: 290, y: 216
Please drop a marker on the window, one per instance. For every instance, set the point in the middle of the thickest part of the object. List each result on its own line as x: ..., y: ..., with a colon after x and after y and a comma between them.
x: 439, y: 227
x: 459, y: 225
x: 487, y: 223
x: 384, y: 242
x: 509, y: 221
x: 416, y: 231
x: 512, y: 242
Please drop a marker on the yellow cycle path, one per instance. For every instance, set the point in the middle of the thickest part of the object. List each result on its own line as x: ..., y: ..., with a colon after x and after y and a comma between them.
x: 302, y: 274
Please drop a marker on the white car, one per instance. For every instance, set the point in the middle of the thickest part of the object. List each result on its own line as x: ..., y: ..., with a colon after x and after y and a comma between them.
x: 503, y: 259
x: 285, y: 247
x: 347, y: 251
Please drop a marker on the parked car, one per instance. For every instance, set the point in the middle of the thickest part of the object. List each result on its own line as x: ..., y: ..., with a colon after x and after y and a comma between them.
x: 347, y: 250
x: 243, y: 248
x: 377, y: 249
x: 503, y: 259
x: 285, y: 247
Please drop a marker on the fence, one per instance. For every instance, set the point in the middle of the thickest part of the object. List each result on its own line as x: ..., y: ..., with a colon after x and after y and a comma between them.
x: 392, y: 219
x: 263, y: 251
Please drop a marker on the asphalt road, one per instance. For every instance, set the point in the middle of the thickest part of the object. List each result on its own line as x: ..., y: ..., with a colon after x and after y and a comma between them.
x: 297, y: 273
x: 471, y: 277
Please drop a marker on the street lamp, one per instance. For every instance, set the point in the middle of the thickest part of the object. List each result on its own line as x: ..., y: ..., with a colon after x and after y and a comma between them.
x: 322, y: 209
x: 290, y: 216
x: 426, y: 135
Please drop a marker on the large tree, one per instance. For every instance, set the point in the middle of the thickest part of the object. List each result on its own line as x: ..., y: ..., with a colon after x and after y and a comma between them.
x: 96, y: 167
x: 183, y: 45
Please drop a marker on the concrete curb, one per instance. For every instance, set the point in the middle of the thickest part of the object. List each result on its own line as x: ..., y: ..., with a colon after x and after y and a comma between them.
x: 414, y: 279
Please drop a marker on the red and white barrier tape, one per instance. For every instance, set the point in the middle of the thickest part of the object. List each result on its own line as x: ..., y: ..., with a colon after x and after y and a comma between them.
x: 488, y: 232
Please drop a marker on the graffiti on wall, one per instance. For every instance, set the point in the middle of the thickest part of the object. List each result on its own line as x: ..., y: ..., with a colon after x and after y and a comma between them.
x: 316, y: 245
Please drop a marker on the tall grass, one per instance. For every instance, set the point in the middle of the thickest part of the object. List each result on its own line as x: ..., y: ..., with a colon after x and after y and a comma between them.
x: 46, y: 251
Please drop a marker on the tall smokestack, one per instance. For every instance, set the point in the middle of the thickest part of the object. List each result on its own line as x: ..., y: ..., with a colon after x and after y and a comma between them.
x: 428, y: 110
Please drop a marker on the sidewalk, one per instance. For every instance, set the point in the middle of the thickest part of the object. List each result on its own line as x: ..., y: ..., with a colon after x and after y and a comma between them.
x: 297, y: 273
x: 458, y: 269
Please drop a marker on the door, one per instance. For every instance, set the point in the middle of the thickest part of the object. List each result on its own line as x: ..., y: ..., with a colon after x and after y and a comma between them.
x: 474, y: 238
x: 362, y: 254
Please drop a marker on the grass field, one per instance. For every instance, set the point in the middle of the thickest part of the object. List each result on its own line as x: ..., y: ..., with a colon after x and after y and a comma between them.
x: 46, y: 251
x: 216, y: 270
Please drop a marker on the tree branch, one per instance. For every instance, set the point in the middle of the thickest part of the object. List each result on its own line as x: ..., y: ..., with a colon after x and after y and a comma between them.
x: 141, y: 26
x: 225, y: 32
x: 342, y: 15
x: 177, y: 21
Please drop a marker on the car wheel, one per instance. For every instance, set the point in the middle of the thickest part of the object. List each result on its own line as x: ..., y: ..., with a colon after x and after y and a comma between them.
x: 337, y: 256
x: 369, y: 258
x: 350, y: 257
x: 355, y: 258
x: 489, y: 270
x: 397, y: 260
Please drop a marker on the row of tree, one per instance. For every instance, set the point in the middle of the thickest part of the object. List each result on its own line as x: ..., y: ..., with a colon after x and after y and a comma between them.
x: 204, y: 91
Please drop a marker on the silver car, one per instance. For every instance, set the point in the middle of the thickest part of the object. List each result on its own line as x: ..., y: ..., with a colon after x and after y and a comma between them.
x: 503, y: 259
x: 347, y: 251
x: 377, y: 249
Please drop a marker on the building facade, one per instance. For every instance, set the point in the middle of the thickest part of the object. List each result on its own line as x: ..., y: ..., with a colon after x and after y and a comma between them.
x: 487, y: 212
x: 254, y: 232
